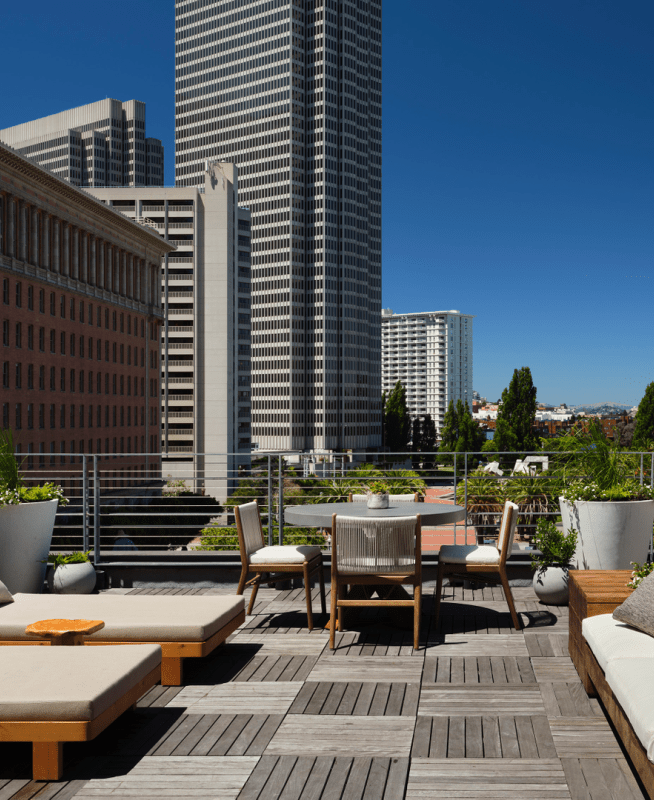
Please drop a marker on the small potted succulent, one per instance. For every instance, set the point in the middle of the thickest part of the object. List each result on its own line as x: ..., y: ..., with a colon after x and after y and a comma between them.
x: 71, y: 574
x: 377, y: 492
x: 27, y: 515
x: 551, y: 564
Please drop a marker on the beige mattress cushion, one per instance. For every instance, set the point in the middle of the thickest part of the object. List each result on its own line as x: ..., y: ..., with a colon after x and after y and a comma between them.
x: 285, y: 554
x: 69, y: 683
x: 136, y: 618
x: 610, y: 640
x: 631, y: 682
x: 469, y: 554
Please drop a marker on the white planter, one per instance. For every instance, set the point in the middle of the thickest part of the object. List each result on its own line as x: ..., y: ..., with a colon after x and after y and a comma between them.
x: 72, y: 578
x: 610, y: 534
x: 551, y: 586
x: 25, y: 538
x: 378, y: 501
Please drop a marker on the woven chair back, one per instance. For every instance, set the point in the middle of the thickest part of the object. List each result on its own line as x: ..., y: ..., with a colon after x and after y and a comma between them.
x: 375, y: 546
x: 247, y: 516
x: 507, y: 529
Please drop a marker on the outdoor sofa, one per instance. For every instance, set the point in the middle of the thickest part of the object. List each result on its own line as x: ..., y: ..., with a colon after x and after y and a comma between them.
x: 187, y: 626
x: 52, y: 695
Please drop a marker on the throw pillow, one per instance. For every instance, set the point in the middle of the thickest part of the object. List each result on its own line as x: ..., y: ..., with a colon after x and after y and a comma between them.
x: 5, y: 595
x: 638, y: 609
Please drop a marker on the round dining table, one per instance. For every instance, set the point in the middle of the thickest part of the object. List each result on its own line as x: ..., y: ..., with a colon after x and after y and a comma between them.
x: 319, y: 515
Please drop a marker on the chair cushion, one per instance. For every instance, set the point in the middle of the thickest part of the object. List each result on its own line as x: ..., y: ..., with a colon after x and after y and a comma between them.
x: 285, y: 554
x: 638, y: 609
x: 69, y: 683
x: 5, y: 595
x: 610, y: 639
x: 631, y: 682
x: 469, y: 554
x: 137, y: 618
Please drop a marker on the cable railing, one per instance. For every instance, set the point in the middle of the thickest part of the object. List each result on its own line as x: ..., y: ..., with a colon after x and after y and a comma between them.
x: 182, y: 501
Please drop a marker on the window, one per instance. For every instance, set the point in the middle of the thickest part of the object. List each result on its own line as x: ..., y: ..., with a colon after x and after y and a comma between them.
x: 81, y: 416
x: 81, y: 311
x: 19, y: 334
x: 5, y: 374
x: 19, y: 376
x: 129, y: 355
x: 62, y: 343
x: 5, y: 291
x: 18, y: 424
x: 122, y: 323
x: 5, y: 332
x: 90, y: 313
x: 30, y: 376
x: 5, y: 415
x: 99, y: 418
x: 106, y: 416
x: 81, y: 380
x: 42, y: 301
x: 106, y: 318
x: 113, y: 352
x: 62, y: 306
x: 113, y: 320
x: 30, y: 337
x: 52, y: 415
x: 42, y: 340
x: 99, y: 383
x: 106, y: 383
x: 62, y: 416
x: 72, y: 380
x: 113, y: 384
x: 52, y: 379
x: 41, y: 377
x: 72, y: 344
x: 72, y: 308
x: 72, y: 416
x: 19, y: 294
x: 30, y: 416
x: 30, y: 298
x: 53, y: 304
x: 62, y: 379
x: 122, y: 384
x: 41, y: 415
x: 106, y: 351
x: 81, y: 347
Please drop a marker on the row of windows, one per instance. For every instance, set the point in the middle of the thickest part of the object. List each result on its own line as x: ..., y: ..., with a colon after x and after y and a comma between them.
x: 121, y: 445
x: 75, y: 344
x: 69, y: 380
x: 74, y: 416
x: 76, y: 308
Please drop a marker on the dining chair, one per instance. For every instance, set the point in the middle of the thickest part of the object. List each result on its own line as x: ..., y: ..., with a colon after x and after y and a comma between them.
x: 292, y: 561
x: 382, y: 552
x: 392, y: 498
x: 482, y: 563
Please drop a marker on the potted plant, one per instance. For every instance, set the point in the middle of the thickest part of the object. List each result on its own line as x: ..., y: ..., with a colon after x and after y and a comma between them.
x: 27, y: 516
x: 483, y: 496
x: 611, y: 511
x: 377, y: 492
x: 551, y: 563
x: 71, y: 574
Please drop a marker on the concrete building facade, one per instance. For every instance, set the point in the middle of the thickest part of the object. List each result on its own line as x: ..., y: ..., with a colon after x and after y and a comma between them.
x: 80, y: 317
x: 99, y: 144
x: 290, y: 90
x: 205, y: 295
x: 431, y: 353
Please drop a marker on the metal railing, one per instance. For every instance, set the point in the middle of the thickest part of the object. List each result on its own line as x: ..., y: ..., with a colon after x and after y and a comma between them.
x: 183, y: 501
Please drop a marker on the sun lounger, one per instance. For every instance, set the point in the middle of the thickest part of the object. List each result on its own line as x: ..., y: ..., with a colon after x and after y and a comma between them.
x: 190, y: 626
x: 53, y: 695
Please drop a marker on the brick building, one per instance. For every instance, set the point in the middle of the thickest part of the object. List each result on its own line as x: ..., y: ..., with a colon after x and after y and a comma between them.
x: 80, y: 308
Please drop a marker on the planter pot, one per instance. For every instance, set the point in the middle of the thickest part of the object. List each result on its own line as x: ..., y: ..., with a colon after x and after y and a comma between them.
x: 610, y: 534
x: 25, y: 538
x: 72, y: 578
x: 378, y: 501
x: 551, y: 586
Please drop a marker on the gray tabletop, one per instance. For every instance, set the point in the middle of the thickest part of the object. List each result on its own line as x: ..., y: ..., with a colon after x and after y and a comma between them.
x: 319, y: 515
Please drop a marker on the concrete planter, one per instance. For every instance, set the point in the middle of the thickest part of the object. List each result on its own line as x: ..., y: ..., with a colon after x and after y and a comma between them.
x: 610, y: 534
x: 551, y: 586
x: 72, y: 578
x: 25, y: 539
x: 378, y: 501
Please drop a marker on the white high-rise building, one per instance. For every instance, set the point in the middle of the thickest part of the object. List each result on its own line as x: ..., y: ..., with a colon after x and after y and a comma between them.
x: 205, y: 342
x: 99, y: 144
x: 290, y: 90
x: 431, y: 353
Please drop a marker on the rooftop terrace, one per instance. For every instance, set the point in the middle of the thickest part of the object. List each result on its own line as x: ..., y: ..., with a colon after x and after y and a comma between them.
x: 481, y: 710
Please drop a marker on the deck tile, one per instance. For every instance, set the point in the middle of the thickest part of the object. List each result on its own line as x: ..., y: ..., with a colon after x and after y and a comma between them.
x: 441, y: 699
x: 238, y: 698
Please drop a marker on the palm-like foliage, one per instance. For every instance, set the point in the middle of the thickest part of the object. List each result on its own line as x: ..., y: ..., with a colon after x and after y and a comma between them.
x: 9, y: 466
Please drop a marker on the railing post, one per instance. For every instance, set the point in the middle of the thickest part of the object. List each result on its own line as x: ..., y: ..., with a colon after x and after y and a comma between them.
x: 96, y: 513
x: 642, y: 466
x: 465, y: 495
x: 455, y: 496
x: 85, y: 505
x: 280, y: 504
x: 270, y: 501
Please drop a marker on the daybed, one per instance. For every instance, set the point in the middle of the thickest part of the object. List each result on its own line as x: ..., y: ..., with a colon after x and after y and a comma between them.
x: 187, y: 626
x: 53, y: 695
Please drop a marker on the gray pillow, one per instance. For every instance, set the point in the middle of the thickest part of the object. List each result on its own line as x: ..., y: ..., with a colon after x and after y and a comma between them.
x: 638, y: 609
x: 5, y: 595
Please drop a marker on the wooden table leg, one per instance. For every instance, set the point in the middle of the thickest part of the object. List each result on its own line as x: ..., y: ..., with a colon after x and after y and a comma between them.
x: 47, y: 761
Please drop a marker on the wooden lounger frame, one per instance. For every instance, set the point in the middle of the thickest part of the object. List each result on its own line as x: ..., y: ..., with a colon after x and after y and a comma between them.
x: 48, y: 736
x: 172, y: 652
x: 594, y: 680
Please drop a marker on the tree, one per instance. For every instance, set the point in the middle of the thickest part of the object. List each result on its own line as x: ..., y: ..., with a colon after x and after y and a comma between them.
x: 460, y: 432
x: 397, y: 422
x: 428, y: 434
x: 517, y: 414
x: 644, y: 428
x: 416, y: 435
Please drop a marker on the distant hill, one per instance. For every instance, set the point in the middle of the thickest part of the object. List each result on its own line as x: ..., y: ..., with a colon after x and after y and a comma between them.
x: 606, y: 409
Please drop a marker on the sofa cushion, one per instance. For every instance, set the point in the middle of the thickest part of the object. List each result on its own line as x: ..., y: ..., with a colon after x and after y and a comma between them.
x: 631, y: 682
x: 469, y: 554
x: 136, y: 618
x: 638, y: 609
x: 69, y: 683
x: 285, y: 554
x: 610, y: 639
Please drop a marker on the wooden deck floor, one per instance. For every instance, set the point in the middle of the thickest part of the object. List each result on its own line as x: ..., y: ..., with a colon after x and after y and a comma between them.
x: 480, y: 711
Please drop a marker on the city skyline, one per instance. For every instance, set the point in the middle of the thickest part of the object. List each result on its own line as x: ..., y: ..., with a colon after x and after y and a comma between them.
x: 517, y: 162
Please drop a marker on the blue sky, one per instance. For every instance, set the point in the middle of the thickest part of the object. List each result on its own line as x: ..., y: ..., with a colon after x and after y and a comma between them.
x: 518, y: 165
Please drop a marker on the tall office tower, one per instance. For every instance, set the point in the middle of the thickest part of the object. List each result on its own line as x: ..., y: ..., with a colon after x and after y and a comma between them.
x: 431, y: 353
x: 205, y: 341
x: 100, y: 144
x: 290, y: 90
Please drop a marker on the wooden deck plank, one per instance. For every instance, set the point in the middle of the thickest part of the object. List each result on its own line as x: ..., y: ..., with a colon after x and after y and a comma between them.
x: 378, y: 669
x: 584, y: 737
x: 438, y: 699
x: 238, y: 698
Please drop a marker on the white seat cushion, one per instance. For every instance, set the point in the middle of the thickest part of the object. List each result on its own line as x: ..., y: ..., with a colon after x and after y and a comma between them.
x: 285, y: 554
x: 469, y: 554
x: 610, y: 640
x: 631, y: 682
x: 69, y: 683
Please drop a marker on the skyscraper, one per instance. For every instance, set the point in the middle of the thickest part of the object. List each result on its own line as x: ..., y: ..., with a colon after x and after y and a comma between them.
x: 99, y: 144
x: 290, y: 90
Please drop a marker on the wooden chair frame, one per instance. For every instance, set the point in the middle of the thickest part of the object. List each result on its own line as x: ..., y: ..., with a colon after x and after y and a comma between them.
x: 48, y: 736
x: 264, y: 573
x: 340, y: 581
x: 485, y: 573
